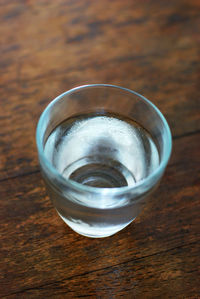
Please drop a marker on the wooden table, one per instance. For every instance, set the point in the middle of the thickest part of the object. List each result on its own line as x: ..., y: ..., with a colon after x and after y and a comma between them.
x: 48, y: 47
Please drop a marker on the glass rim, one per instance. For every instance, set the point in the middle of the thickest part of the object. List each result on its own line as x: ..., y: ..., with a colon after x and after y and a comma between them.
x: 105, y: 191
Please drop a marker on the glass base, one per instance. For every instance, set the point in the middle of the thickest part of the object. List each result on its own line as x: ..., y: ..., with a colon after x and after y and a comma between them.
x: 93, y: 231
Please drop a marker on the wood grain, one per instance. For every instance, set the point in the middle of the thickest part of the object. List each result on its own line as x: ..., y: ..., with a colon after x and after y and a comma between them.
x: 176, y: 273
x: 38, y: 249
x: 48, y: 47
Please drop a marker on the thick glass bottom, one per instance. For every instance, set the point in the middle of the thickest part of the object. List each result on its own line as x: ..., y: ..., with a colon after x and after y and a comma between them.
x: 93, y: 231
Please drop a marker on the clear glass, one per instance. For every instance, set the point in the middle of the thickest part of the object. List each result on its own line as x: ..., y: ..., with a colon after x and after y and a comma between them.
x: 107, y: 198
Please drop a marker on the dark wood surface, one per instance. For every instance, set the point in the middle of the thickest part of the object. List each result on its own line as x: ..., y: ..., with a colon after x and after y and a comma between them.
x: 47, y: 47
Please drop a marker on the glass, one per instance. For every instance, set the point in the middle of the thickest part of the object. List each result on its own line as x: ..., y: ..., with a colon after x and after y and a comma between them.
x: 101, y: 164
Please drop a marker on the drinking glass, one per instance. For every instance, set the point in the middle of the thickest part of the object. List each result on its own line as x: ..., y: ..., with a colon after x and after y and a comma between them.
x: 95, y: 144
